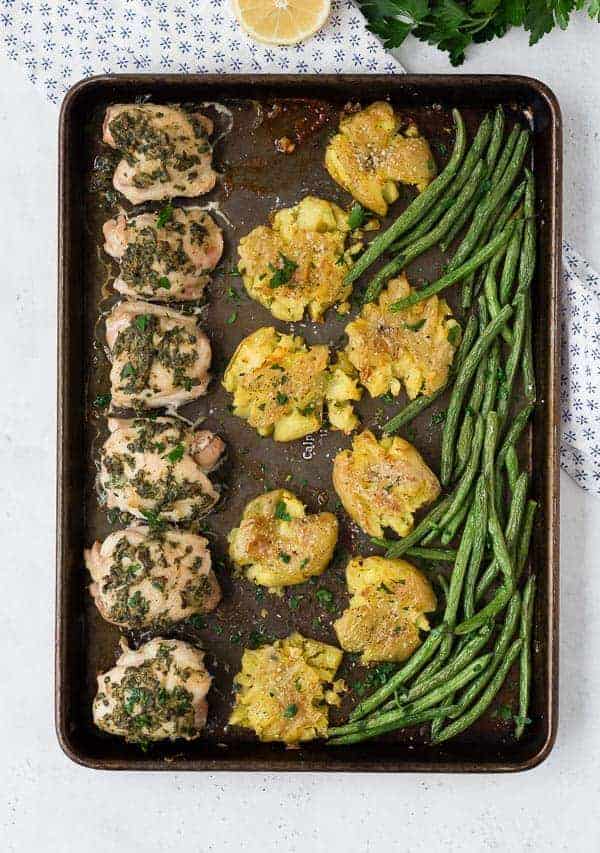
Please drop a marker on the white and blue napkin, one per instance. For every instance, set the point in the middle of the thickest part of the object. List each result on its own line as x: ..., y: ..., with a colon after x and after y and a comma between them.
x: 58, y: 42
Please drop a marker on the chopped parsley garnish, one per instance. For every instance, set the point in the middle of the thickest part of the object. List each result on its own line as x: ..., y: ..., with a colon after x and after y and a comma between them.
x: 295, y: 601
x: 141, y: 321
x: 285, y: 558
x: 102, y: 401
x: 414, y: 327
x: 281, y: 511
x: 325, y: 597
x: 357, y: 216
x: 283, y: 274
x: 281, y: 398
x: 114, y: 515
x: 197, y: 621
x: 165, y: 215
x: 233, y: 295
x: 454, y: 333
x: 176, y: 454
x: 438, y: 418
x: 164, y: 282
x: 153, y: 518
x: 376, y: 677
x: 290, y: 711
x: 258, y: 638
x: 232, y: 318
x: 387, y: 398
x: 128, y: 370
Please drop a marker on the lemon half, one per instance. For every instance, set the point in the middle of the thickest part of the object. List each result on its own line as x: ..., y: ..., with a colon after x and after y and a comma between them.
x: 281, y: 21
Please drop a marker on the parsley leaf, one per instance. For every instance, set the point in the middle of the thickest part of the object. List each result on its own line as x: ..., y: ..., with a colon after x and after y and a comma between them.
x: 454, y: 335
x: 141, y: 321
x: 325, y: 598
x: 290, y: 711
x: 176, y: 454
x: 453, y: 25
x: 438, y: 418
x: 283, y: 274
x: 357, y: 216
x: 165, y: 215
x: 415, y: 327
x: 102, y: 401
x: 153, y: 518
x: 164, y: 282
x: 281, y: 511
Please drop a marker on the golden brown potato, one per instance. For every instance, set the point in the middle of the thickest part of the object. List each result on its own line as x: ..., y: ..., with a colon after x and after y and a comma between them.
x: 299, y: 262
x: 277, y: 544
x: 382, y: 483
x: 280, y: 386
x: 284, y: 689
x: 371, y: 154
x: 389, y: 601
x: 414, y: 346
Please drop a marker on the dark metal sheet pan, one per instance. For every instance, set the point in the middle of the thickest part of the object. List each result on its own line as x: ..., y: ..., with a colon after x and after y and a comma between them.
x: 257, y: 179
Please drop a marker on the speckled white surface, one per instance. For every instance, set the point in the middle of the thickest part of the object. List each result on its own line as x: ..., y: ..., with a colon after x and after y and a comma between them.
x: 51, y: 805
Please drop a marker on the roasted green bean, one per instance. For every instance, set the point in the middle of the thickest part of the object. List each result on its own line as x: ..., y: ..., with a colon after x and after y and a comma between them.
x: 501, y: 646
x: 489, y: 334
x: 457, y: 273
x: 404, y: 674
x: 427, y: 240
x: 478, y: 549
x: 525, y: 655
x: 469, y: 717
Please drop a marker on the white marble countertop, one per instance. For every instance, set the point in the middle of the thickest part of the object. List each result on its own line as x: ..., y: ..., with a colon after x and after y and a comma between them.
x: 49, y: 804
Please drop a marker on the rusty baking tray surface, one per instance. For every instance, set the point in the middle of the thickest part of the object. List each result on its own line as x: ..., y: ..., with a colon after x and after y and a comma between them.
x: 256, y: 180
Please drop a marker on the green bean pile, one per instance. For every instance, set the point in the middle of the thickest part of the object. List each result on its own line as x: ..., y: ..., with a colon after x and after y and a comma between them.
x: 486, y: 194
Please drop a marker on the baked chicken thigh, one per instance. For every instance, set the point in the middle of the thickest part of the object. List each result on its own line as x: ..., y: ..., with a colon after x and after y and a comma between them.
x: 166, y: 256
x: 166, y: 151
x: 144, y: 578
x: 157, y: 468
x: 157, y: 692
x: 159, y: 356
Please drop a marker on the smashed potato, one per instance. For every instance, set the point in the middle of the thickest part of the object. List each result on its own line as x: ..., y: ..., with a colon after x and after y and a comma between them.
x: 280, y: 386
x: 382, y: 483
x: 300, y: 261
x: 389, y: 601
x: 371, y: 154
x: 415, y: 346
x: 277, y: 544
x: 284, y: 689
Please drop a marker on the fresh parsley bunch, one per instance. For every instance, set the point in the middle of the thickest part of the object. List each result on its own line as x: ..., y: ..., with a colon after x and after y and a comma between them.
x: 452, y: 26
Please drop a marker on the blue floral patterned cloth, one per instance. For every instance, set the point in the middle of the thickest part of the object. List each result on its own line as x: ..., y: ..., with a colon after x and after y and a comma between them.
x: 61, y: 41
x: 580, y: 371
